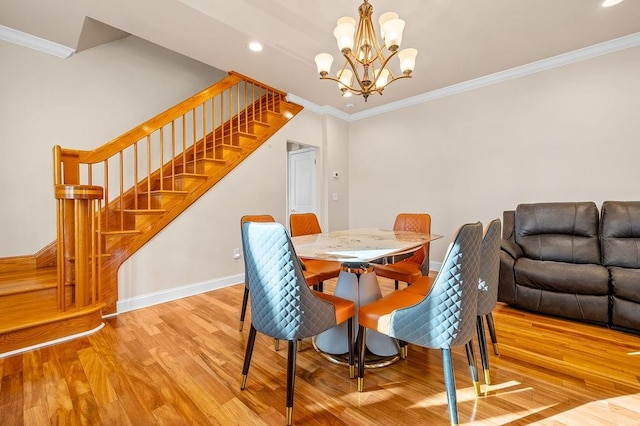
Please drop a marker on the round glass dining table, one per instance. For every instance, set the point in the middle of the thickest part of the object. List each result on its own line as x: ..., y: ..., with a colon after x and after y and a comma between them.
x: 358, y: 250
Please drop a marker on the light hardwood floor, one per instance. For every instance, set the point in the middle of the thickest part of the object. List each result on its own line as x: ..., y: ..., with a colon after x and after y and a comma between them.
x: 180, y: 363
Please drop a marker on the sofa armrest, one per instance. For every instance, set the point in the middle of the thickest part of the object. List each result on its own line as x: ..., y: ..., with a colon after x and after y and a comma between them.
x: 511, y: 248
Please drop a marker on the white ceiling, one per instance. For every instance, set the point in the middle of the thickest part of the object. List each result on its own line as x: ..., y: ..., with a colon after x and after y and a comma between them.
x: 457, y: 40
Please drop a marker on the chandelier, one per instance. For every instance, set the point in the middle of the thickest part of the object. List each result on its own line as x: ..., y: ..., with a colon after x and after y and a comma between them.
x: 365, y: 70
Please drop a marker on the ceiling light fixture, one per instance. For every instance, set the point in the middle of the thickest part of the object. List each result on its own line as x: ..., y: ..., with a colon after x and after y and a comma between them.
x: 255, y: 46
x: 365, y: 70
x: 609, y: 3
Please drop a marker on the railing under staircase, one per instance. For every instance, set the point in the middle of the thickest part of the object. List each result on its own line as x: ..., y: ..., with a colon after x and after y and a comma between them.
x: 112, y: 200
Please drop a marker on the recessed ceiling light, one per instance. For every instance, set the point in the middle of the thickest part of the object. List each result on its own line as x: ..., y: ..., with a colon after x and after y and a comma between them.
x: 255, y: 46
x: 609, y: 3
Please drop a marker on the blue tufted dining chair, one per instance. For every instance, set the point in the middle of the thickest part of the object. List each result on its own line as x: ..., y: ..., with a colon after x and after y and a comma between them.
x: 488, y: 290
x: 282, y: 304
x: 312, y: 278
x: 442, y: 319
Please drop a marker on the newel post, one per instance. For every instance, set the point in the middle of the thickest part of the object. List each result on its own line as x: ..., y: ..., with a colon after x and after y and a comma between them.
x: 79, y: 244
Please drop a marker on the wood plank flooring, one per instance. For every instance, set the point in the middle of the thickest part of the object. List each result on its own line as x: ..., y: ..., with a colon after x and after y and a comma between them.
x: 179, y: 363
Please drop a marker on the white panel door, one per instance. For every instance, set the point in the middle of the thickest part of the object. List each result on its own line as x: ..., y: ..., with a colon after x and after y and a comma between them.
x: 302, y: 181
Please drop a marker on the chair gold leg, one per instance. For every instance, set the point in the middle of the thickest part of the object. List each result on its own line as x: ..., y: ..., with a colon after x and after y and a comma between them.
x: 241, y: 325
x: 276, y: 344
x: 352, y: 371
x: 476, y: 386
x: 495, y: 349
x: 404, y: 351
x: 289, y: 415
x: 360, y: 384
x: 487, y: 377
x: 243, y: 381
x: 299, y: 345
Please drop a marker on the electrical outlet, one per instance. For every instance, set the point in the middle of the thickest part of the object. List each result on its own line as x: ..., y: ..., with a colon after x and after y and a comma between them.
x: 236, y: 253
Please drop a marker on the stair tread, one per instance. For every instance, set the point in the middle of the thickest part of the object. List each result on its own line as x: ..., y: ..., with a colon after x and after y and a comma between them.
x: 26, y: 285
x: 163, y: 192
x: 145, y: 211
x: 192, y: 175
x: 27, y: 280
x: 212, y: 160
x: 227, y: 145
x: 124, y: 232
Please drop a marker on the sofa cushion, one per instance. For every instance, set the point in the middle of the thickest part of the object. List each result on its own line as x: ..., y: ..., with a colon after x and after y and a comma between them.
x: 625, y: 284
x: 561, y: 232
x: 562, y: 277
x: 625, y: 315
x: 620, y: 234
x: 581, y: 307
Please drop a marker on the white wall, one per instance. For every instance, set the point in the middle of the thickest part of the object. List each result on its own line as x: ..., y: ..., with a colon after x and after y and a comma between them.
x: 337, y: 151
x: 81, y: 102
x: 567, y: 134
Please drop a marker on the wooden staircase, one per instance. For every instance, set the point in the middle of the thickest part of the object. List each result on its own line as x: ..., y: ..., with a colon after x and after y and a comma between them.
x: 113, y: 200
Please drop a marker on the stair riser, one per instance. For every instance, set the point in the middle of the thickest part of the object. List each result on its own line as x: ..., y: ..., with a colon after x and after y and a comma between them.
x: 180, y: 183
x: 117, y: 222
x: 32, y: 301
x: 237, y: 139
x: 159, y: 201
x: 200, y: 167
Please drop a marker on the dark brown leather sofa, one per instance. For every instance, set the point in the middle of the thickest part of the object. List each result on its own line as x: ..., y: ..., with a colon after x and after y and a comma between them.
x: 571, y: 261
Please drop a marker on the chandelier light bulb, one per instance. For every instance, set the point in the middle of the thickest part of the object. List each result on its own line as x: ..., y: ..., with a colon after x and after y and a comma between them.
x: 393, y: 29
x: 344, y: 32
x: 387, y: 16
x: 323, y: 62
x: 344, y: 78
x: 381, y: 78
x: 407, y: 60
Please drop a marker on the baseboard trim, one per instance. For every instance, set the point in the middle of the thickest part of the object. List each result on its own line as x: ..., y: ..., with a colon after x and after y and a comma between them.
x: 435, y: 266
x: 163, y: 296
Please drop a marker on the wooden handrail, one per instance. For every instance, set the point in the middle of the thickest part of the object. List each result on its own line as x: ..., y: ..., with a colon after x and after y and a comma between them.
x: 125, y: 140
x: 257, y: 83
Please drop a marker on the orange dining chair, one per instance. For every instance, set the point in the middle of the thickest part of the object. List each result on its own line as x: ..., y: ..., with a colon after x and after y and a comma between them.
x: 443, y: 319
x: 410, y: 269
x: 282, y: 304
x: 310, y: 277
x: 306, y: 224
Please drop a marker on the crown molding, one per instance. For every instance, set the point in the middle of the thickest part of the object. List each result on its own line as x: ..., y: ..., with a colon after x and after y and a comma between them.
x: 322, y: 110
x: 611, y: 46
x: 27, y: 40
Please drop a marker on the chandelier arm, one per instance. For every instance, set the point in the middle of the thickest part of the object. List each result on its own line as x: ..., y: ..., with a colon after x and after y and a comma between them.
x: 350, y: 88
x: 383, y: 66
x: 355, y: 72
x: 397, y: 78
